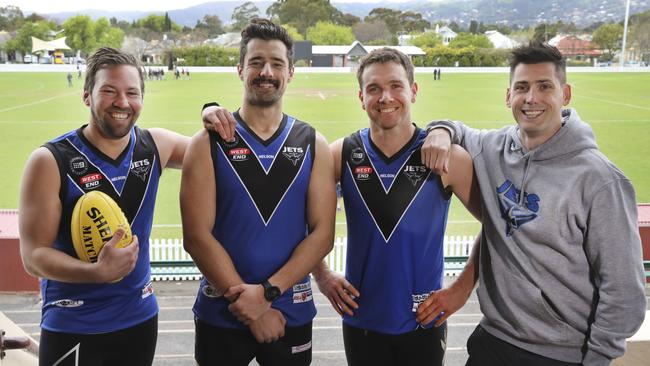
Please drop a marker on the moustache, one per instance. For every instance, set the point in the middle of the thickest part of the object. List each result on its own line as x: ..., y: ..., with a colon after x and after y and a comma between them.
x: 260, y: 80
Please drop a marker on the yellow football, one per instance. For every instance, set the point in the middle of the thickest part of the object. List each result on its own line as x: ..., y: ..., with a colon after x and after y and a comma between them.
x: 95, y: 218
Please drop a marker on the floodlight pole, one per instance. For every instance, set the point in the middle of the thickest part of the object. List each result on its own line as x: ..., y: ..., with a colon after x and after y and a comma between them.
x: 627, y: 15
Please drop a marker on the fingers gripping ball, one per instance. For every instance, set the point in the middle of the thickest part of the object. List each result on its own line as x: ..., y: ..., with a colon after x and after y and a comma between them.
x: 95, y: 219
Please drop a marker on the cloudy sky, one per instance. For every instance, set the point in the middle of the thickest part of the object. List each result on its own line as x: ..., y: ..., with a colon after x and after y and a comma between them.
x: 53, y: 6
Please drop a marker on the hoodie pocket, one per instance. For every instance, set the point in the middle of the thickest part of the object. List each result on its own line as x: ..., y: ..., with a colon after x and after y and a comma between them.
x: 529, y: 316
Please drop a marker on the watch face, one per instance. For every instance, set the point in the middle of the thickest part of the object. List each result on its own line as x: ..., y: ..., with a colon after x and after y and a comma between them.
x: 271, y: 293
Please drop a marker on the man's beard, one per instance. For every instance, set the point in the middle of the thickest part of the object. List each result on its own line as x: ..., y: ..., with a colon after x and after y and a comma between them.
x: 109, y: 131
x: 264, y: 100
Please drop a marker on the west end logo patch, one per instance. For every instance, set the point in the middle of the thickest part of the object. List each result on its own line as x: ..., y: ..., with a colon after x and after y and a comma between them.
x: 78, y: 165
x: 363, y: 172
x: 239, y: 154
x: 91, y: 181
x: 414, y: 173
x: 514, y: 214
x: 294, y: 154
x: 141, y: 168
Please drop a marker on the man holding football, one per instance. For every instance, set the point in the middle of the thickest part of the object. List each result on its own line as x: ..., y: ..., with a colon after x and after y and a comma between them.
x: 102, y: 312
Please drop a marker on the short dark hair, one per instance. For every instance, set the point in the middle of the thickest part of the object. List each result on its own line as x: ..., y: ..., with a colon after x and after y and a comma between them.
x: 383, y: 55
x: 106, y: 57
x: 267, y: 30
x: 536, y: 53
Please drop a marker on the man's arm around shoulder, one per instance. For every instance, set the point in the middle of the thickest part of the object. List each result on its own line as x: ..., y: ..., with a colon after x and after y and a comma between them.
x: 171, y: 147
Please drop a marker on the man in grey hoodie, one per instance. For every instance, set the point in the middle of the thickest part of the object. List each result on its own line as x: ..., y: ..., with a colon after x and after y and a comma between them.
x: 560, y: 268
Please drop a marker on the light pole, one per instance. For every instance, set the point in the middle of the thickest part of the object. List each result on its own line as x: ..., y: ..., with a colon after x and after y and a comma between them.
x: 627, y: 15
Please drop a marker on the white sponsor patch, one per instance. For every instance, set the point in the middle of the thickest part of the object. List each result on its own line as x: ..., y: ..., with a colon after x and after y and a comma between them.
x: 419, y: 299
x: 302, y: 348
x: 147, y: 290
x: 302, y: 286
x: 68, y: 303
x: 302, y: 296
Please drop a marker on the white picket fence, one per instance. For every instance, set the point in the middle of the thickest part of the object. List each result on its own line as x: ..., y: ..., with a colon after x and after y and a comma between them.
x: 164, y: 252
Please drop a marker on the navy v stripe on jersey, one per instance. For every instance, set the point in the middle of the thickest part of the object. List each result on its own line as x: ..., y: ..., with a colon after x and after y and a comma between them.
x: 396, y: 213
x: 261, y: 216
x: 132, y: 181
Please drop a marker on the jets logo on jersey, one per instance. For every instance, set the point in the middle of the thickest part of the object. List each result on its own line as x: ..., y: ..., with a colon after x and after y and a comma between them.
x: 294, y: 154
x: 78, y: 165
x: 141, y: 168
x: 515, y: 214
x: 362, y: 172
x: 414, y: 173
x: 91, y: 181
x: 239, y: 154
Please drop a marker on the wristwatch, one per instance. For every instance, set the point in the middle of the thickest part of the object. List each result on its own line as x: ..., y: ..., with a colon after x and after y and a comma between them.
x: 271, y: 293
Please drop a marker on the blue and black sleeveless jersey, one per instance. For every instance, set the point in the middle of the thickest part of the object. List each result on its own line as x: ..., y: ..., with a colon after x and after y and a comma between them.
x: 396, y: 213
x: 261, y: 214
x: 132, y: 181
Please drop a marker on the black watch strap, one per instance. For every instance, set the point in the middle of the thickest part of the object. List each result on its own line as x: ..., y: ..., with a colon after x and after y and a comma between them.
x: 271, y: 293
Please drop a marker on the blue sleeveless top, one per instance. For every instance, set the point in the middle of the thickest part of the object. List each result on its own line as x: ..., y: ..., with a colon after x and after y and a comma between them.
x: 261, y: 214
x: 396, y: 212
x: 132, y: 181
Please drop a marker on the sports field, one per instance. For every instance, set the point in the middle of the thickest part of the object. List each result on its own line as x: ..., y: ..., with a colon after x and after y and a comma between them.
x: 35, y: 107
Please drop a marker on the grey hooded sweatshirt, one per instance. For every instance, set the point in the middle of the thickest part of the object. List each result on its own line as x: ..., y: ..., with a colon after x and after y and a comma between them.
x: 561, y: 270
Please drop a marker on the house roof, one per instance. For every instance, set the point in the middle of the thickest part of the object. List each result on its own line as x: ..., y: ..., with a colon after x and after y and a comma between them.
x: 572, y: 45
x: 361, y: 49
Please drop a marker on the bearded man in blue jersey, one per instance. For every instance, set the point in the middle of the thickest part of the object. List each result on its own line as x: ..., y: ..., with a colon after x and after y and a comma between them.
x: 101, y: 313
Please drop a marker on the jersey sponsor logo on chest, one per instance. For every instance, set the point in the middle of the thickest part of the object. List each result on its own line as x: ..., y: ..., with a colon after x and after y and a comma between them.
x: 363, y: 172
x: 414, y: 173
x: 293, y: 153
x: 91, y: 181
x: 141, y: 168
x: 78, y: 165
x: 239, y: 154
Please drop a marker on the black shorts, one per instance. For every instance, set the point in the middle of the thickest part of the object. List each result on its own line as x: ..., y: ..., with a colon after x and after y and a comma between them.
x: 235, y: 347
x: 487, y: 350
x: 132, y: 346
x: 419, y: 347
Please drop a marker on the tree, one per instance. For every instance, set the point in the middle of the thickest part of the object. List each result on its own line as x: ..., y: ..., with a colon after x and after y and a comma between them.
x: 167, y: 24
x: 22, y: 42
x: 211, y: 24
x: 86, y: 36
x: 346, y: 19
x: 465, y: 40
x: 426, y: 40
x: 242, y: 15
x: 544, y: 32
x: 324, y: 33
x: 639, y: 31
x: 473, y: 27
x: 609, y: 37
x: 107, y: 36
x: 80, y: 30
x: 11, y: 18
x: 293, y: 32
x: 366, y: 32
x: 302, y: 14
x: 392, y: 18
x: 413, y: 22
